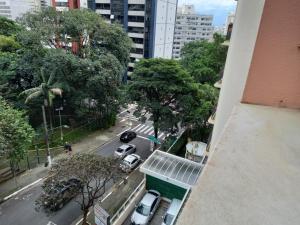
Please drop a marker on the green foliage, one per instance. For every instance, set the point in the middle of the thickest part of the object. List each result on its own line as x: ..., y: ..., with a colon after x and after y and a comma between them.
x: 8, y: 44
x: 15, y: 133
x: 204, y: 60
x: 8, y: 27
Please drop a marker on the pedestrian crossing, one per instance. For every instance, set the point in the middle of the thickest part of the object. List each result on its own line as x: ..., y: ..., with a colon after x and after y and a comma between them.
x: 147, y: 130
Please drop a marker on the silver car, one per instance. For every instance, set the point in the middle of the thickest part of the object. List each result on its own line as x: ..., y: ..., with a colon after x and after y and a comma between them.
x: 145, y: 210
x: 130, y: 162
x: 124, y: 150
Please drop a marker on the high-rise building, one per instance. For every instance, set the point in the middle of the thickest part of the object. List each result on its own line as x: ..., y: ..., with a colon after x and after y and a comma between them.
x: 13, y: 9
x: 252, y: 175
x: 149, y: 23
x: 190, y: 26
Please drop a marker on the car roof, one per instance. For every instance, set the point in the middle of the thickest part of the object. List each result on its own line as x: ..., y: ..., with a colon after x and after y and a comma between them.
x: 131, y: 157
x: 148, y: 199
x: 174, y: 207
x: 124, y: 146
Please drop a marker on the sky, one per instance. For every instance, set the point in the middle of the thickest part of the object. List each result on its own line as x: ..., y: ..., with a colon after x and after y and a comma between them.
x: 218, y: 8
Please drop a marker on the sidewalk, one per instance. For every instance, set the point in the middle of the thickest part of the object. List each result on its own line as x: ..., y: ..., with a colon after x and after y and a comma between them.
x: 87, y: 145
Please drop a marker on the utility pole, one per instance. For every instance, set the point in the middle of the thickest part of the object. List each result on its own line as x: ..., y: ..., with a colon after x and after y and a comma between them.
x: 46, y: 136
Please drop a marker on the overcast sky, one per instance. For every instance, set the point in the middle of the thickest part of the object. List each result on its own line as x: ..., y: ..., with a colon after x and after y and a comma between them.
x: 218, y: 8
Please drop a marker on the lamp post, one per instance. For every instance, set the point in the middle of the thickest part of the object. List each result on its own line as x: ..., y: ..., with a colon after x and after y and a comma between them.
x: 61, y: 130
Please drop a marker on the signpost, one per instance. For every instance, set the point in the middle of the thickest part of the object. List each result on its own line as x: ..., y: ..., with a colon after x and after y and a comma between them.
x: 101, y: 216
x: 152, y: 141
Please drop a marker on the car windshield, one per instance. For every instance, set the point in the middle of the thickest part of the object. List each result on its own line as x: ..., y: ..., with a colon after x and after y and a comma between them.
x: 168, y: 219
x: 143, y: 209
x: 120, y: 150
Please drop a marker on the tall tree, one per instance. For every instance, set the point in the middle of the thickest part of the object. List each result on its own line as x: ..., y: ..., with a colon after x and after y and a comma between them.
x: 15, y: 134
x: 158, y: 86
x: 93, y: 171
x: 204, y: 60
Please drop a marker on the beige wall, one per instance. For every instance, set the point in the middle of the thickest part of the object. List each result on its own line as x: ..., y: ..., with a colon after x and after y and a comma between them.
x: 274, y: 75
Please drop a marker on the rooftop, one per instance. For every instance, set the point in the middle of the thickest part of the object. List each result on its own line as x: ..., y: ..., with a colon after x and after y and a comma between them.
x: 171, y: 168
x: 253, y: 174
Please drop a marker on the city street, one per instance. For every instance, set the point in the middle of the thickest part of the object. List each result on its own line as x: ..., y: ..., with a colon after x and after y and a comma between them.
x: 20, y: 209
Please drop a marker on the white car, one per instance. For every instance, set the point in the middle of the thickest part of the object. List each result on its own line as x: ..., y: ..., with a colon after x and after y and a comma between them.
x: 172, y: 212
x: 124, y: 150
x: 130, y: 162
x: 145, y: 210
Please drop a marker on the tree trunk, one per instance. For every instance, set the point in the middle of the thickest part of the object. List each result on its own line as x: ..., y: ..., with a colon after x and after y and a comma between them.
x: 50, y: 118
x: 84, y: 220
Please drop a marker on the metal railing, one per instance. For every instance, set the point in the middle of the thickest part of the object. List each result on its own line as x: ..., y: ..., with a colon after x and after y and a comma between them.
x: 127, y: 202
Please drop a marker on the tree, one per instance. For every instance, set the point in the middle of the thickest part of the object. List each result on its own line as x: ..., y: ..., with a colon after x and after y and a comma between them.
x: 15, y: 134
x: 204, y: 60
x: 93, y: 171
x: 8, y: 44
x: 158, y: 87
x: 8, y: 27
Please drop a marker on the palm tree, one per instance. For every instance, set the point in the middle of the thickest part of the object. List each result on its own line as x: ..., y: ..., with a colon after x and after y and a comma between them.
x: 48, y: 91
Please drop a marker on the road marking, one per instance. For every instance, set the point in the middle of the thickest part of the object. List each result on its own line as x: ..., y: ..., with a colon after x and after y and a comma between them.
x: 128, y: 128
x: 136, y: 127
x: 138, y: 167
x: 123, y: 120
x: 162, y: 134
x: 126, y: 177
x: 150, y: 129
x: 152, y: 132
x: 82, y: 219
x: 126, y: 110
x: 51, y: 223
x: 142, y: 137
x: 22, y: 189
x: 106, y: 196
x: 145, y: 128
x: 141, y: 127
x: 121, y: 182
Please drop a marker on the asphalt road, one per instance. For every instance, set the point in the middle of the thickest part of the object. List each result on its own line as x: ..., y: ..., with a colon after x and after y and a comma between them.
x: 20, y: 210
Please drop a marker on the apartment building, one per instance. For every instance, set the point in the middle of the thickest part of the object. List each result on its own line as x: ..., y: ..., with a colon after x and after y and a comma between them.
x: 13, y: 9
x: 252, y: 175
x: 62, y: 5
x: 190, y: 26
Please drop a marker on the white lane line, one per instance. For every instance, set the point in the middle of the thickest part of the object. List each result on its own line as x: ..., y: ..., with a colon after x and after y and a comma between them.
x: 136, y: 127
x: 162, y: 134
x: 126, y: 177
x: 51, y: 223
x: 82, y: 219
x: 123, y: 120
x: 126, y: 110
x: 146, y: 131
x: 141, y: 127
x: 143, y: 137
x: 106, y: 196
x: 138, y: 167
x: 141, y: 131
x: 128, y: 128
x: 22, y: 189
x: 121, y: 182
x: 152, y: 132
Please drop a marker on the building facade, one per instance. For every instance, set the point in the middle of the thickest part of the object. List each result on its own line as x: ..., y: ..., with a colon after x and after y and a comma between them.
x: 13, y: 9
x: 190, y: 27
x: 149, y: 23
x: 252, y: 175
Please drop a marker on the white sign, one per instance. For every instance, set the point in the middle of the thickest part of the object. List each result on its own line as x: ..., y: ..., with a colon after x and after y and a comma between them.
x: 101, y: 216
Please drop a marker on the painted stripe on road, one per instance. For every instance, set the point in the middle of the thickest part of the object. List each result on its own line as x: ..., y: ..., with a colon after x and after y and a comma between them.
x: 128, y: 128
x: 143, y: 137
x: 136, y: 127
x: 162, y: 134
x: 150, y: 129
x: 106, y: 196
x: 140, y: 128
x: 22, y: 189
x: 82, y: 219
x: 141, y: 131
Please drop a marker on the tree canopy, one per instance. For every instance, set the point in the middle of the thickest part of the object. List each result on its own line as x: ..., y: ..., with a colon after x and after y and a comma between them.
x: 164, y: 89
x: 204, y: 60
x: 15, y: 133
x: 93, y: 171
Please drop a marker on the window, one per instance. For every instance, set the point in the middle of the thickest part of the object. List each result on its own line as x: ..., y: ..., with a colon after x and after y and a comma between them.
x: 102, y: 6
x: 136, y: 7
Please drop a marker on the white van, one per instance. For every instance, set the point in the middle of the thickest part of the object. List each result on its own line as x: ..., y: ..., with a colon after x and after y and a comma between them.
x: 172, y: 212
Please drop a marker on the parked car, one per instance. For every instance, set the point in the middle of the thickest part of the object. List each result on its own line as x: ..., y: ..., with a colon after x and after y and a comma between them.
x: 130, y: 162
x: 60, y: 194
x: 127, y: 136
x: 145, y: 210
x: 124, y: 150
x: 172, y: 212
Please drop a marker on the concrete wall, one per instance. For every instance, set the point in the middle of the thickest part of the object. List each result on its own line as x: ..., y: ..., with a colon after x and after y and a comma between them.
x: 242, y: 43
x: 274, y: 76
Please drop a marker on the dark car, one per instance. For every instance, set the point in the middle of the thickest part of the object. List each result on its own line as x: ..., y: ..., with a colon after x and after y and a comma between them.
x: 127, y: 136
x: 60, y: 194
